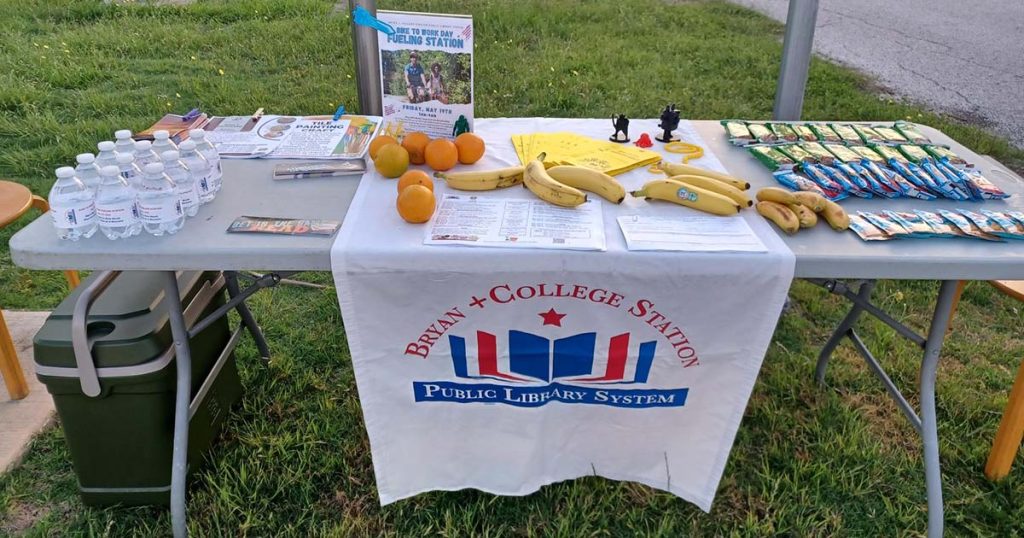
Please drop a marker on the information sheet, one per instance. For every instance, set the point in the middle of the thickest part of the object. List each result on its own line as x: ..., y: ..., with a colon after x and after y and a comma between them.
x: 515, y: 223
x: 689, y: 233
x: 292, y: 137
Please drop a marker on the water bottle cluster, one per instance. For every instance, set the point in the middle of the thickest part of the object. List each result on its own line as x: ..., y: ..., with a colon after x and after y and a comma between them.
x: 130, y: 187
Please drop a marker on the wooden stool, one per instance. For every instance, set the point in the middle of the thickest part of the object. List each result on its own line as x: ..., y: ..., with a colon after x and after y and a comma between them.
x: 1011, y: 427
x: 15, y: 201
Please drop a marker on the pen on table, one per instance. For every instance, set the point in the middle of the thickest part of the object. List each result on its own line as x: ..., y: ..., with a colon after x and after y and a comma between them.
x: 191, y: 115
x: 257, y: 115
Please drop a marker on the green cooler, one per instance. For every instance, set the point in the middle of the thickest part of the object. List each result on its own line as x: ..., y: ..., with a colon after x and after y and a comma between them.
x: 121, y: 438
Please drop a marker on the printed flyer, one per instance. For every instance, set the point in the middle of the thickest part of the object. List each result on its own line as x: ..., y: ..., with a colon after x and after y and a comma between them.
x: 426, y: 68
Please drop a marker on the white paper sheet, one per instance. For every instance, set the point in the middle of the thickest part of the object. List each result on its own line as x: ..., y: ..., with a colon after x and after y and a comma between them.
x: 515, y: 223
x: 689, y: 233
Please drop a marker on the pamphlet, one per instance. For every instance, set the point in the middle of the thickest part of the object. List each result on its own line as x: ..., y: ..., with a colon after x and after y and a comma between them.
x: 293, y: 137
x: 177, y: 127
x: 270, y: 225
x: 689, y: 233
x: 514, y: 223
x: 426, y: 69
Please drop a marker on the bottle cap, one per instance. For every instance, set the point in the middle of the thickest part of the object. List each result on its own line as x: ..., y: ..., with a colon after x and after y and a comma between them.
x: 65, y: 172
x: 161, y: 135
x: 143, y: 145
x: 109, y: 170
x: 187, y: 145
x: 154, y: 168
x: 106, y: 145
x: 199, y: 134
x: 125, y: 158
x: 85, y: 158
x: 122, y: 134
x: 169, y: 155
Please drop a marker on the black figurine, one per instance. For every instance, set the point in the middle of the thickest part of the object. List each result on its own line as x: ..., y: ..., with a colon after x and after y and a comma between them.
x: 621, y: 125
x: 669, y: 123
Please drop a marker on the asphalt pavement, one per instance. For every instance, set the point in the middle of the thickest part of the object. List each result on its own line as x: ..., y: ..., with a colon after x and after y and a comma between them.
x: 962, y: 58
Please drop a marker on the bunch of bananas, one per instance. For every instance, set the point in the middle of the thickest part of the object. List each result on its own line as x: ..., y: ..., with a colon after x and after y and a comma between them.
x: 791, y: 211
x: 700, y: 189
x: 559, y: 185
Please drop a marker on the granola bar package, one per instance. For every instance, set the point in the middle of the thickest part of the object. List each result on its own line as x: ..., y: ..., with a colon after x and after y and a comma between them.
x: 911, y: 222
x: 867, y: 231
x: 804, y: 133
x: 1017, y: 216
x: 738, y: 133
x: 966, y: 226
x: 821, y: 179
x: 986, y: 224
x: 915, y: 153
x: 797, y: 153
x: 910, y: 132
x: 843, y: 153
x: 941, y: 153
x: 820, y: 153
x: 761, y: 133
x: 868, y: 153
x: 771, y: 157
x: 867, y: 134
x: 783, y: 131
x: 1012, y: 228
x: 884, y: 223
x: 890, y: 135
x: 797, y: 182
x: 852, y: 185
x: 939, y: 226
x: 985, y: 188
x: 846, y: 132
x: 824, y: 132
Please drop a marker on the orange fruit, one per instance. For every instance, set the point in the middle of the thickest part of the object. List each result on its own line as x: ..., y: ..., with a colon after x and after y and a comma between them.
x: 392, y: 160
x: 415, y: 143
x: 380, y: 142
x: 471, y: 148
x: 415, y: 177
x: 441, y: 154
x: 415, y: 204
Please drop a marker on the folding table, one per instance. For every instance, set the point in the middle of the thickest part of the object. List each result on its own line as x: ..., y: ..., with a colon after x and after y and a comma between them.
x: 823, y: 257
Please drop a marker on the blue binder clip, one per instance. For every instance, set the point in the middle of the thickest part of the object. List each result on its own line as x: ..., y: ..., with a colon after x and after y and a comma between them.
x: 363, y: 18
x: 339, y: 113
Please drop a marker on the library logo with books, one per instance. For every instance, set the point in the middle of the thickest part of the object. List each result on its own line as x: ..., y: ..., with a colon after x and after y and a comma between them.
x: 540, y: 370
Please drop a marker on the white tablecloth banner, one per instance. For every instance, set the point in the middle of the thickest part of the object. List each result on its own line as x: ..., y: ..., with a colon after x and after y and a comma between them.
x: 508, y: 369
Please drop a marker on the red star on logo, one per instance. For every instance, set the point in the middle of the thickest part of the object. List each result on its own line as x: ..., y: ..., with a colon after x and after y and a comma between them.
x: 552, y: 318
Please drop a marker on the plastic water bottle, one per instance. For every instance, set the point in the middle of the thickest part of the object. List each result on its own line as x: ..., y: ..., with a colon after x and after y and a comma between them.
x: 184, y: 183
x: 129, y: 171
x: 71, y: 206
x: 106, y: 156
x: 123, y: 142
x: 144, y: 154
x: 159, y: 205
x: 209, y: 151
x: 87, y: 171
x: 116, y: 205
x: 162, y: 142
x: 200, y: 169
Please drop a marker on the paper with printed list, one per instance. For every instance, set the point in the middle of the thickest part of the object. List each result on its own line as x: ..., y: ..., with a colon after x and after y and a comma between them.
x: 515, y: 223
x: 689, y: 233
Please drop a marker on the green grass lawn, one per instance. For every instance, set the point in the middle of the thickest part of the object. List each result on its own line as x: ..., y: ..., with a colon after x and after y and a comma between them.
x: 295, y: 459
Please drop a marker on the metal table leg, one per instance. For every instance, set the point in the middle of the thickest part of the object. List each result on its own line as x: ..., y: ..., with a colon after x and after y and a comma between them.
x: 231, y: 277
x: 932, y: 344
x: 182, y: 398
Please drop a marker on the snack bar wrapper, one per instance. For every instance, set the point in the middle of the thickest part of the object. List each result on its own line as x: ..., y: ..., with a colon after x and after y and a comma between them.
x: 914, y: 153
x: 966, y: 226
x: 738, y: 133
x: 846, y: 132
x: 819, y: 152
x: 867, y: 134
x: 986, y: 224
x: 825, y: 133
x: 867, y: 231
x: 1012, y: 228
x: 890, y: 135
x: 761, y: 133
x: 852, y: 185
x: 910, y: 132
x: 843, y: 153
x: 783, y: 131
x: 911, y: 222
x: 771, y: 157
x: 797, y: 153
x: 939, y: 226
x: 941, y: 153
x: 796, y: 182
x: 884, y: 223
x: 805, y: 133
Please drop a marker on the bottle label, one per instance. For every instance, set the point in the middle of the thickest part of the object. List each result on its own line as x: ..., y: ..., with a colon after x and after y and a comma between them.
x: 117, y: 214
x: 82, y: 214
x: 188, y: 196
x: 204, y: 184
x: 128, y: 174
x: 159, y: 211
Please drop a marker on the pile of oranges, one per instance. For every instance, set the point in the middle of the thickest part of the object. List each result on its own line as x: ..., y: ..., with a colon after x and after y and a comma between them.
x: 415, y: 188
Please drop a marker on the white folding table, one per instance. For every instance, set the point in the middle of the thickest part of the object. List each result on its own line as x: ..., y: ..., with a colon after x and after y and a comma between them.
x: 823, y: 257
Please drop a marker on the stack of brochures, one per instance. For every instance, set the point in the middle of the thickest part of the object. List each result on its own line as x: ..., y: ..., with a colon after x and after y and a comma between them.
x: 573, y: 149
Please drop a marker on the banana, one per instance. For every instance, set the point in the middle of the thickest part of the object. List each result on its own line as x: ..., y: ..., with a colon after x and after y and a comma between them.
x: 782, y: 216
x: 689, y: 196
x: 536, y: 178
x: 679, y: 169
x: 804, y: 214
x: 836, y: 216
x: 715, y: 185
x: 775, y: 194
x: 483, y: 180
x: 814, y: 201
x: 589, y: 180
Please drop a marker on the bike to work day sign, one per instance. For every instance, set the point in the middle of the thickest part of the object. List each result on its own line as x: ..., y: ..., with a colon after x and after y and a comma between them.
x: 426, y: 68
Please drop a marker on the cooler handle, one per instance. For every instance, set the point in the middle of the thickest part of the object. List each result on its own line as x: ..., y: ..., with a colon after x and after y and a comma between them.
x: 79, y: 337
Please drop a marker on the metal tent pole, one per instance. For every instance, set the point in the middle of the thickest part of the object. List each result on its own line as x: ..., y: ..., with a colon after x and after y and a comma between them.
x: 364, y: 43
x: 796, y: 59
